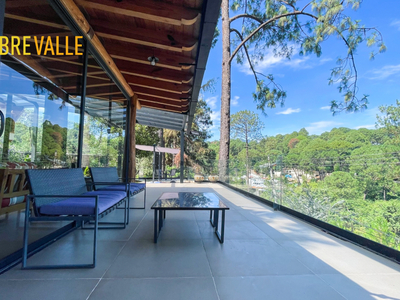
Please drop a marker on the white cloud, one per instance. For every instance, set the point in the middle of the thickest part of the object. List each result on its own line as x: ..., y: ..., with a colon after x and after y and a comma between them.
x: 324, y: 60
x: 396, y: 23
x: 321, y: 126
x: 271, y: 60
x: 325, y: 107
x: 216, y: 119
x: 212, y: 102
x: 289, y: 111
x: 235, y: 101
x: 370, y: 126
x: 385, y: 72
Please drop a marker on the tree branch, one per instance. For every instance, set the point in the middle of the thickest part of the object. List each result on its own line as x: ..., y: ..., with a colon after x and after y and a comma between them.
x: 247, y: 54
x: 265, y: 24
x: 245, y: 16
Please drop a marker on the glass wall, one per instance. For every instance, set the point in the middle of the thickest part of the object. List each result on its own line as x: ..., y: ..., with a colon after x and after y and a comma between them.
x: 357, y: 192
x: 104, y: 129
x: 40, y: 98
x: 40, y: 128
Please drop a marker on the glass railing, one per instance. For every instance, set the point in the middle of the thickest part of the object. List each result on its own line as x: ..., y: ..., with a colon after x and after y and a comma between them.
x: 356, y: 195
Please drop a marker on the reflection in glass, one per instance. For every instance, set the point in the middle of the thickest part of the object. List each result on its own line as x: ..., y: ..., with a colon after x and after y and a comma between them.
x: 39, y: 126
x: 192, y: 200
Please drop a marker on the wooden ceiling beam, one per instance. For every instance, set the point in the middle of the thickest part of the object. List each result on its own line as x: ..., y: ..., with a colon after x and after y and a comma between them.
x: 152, y: 10
x: 154, y: 88
x: 72, y: 74
x: 104, y: 90
x: 172, y: 104
x: 139, y: 38
x: 89, y: 85
x: 25, y: 3
x: 163, y: 101
x: 103, y: 94
x: 36, y: 21
x: 79, y: 19
x: 160, y: 36
x: 159, y: 94
x: 158, y: 85
x: 114, y: 36
x: 164, y: 107
x: 155, y: 72
x: 139, y: 54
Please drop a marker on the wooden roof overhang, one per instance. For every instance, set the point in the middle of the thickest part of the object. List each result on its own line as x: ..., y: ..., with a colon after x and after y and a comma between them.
x: 178, y: 32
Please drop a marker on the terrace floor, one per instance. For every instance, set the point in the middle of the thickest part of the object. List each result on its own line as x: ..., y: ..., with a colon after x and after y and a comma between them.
x: 266, y: 255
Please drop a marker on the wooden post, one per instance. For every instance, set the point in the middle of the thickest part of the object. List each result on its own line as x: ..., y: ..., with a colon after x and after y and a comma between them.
x: 132, y: 137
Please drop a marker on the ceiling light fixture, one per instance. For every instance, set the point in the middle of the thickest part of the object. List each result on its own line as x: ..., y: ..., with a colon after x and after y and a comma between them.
x: 153, y: 60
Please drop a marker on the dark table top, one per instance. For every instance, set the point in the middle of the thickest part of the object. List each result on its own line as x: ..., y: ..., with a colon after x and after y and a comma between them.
x: 186, y: 200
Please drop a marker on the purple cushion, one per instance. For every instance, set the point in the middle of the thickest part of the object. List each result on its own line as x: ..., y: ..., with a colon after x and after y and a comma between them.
x: 115, y: 193
x: 83, y: 206
x: 134, y: 187
x: 141, y: 186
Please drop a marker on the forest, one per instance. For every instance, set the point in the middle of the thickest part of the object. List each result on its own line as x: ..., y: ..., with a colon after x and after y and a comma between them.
x: 347, y: 177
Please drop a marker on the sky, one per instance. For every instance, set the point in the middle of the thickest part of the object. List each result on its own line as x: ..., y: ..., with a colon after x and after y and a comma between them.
x: 305, y: 80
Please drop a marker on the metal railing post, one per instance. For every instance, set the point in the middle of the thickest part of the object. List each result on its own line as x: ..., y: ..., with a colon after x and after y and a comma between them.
x: 182, y: 169
x: 83, y: 105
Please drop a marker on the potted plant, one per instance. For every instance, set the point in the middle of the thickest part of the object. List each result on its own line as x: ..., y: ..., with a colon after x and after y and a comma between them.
x: 198, y: 177
x: 213, y: 177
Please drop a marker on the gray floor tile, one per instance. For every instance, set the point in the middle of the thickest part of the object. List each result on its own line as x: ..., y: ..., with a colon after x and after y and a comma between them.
x: 231, y: 215
x: 347, y: 258
x: 251, y: 258
x: 312, y: 262
x: 298, y: 287
x: 47, y: 289
x: 69, y: 251
x: 365, y: 286
x: 233, y: 230
x: 169, y: 258
x: 172, y: 229
x: 149, y: 289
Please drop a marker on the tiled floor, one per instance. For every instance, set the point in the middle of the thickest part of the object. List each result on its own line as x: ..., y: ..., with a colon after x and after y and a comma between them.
x: 266, y: 255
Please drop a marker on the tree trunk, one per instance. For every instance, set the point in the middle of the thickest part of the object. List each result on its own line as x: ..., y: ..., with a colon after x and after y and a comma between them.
x: 225, y: 96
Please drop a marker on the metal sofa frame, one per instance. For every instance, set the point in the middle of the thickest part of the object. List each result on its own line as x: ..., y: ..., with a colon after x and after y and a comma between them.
x: 79, y: 220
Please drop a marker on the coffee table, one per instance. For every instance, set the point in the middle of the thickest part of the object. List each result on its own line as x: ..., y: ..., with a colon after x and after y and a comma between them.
x: 189, y: 201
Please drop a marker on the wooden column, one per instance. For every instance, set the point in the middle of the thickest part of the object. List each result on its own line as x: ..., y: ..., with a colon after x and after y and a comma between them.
x: 132, y: 138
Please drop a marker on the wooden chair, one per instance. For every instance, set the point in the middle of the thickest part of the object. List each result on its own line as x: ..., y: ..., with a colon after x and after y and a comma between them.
x: 13, y: 185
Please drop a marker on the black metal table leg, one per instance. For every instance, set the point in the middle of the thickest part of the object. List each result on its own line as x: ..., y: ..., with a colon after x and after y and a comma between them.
x: 223, y: 226
x: 155, y: 226
x: 160, y: 220
x: 220, y: 235
x: 216, y: 215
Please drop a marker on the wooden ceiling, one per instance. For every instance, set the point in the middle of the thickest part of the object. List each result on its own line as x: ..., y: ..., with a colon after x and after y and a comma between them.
x: 130, y: 31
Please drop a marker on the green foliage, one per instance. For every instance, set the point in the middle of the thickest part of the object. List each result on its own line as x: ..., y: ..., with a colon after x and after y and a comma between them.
x: 390, y: 121
x: 286, y: 27
x: 348, y: 178
x: 246, y: 126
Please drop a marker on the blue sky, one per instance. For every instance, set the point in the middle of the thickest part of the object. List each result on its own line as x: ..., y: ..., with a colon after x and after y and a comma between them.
x: 305, y: 79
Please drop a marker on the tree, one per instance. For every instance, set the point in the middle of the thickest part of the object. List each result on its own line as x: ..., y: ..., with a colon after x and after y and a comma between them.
x: 246, y: 126
x: 390, y: 121
x: 281, y: 25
